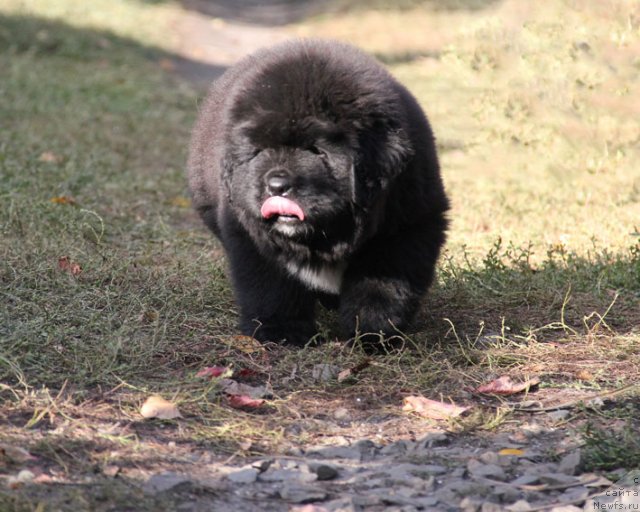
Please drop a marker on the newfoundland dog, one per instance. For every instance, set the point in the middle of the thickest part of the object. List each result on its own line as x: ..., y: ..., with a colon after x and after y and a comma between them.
x: 318, y: 172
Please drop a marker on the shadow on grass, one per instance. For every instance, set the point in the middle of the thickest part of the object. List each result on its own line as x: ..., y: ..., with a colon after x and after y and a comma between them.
x: 45, y: 38
x: 506, y: 295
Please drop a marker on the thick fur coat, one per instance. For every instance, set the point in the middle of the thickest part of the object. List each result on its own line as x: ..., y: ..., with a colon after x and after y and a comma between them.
x: 318, y: 172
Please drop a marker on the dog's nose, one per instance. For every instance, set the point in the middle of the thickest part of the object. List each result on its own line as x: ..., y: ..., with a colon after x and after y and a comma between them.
x: 278, y: 183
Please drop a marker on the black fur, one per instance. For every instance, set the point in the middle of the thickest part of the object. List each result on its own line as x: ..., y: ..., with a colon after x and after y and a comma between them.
x: 359, y: 157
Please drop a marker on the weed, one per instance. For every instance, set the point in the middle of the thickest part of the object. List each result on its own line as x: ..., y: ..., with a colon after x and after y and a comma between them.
x: 606, y: 449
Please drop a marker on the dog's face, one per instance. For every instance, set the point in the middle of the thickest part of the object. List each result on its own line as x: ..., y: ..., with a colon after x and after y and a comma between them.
x: 294, y: 182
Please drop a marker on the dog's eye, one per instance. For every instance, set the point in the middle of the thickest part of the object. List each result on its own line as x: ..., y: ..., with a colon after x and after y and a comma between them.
x: 255, y: 153
x: 317, y: 151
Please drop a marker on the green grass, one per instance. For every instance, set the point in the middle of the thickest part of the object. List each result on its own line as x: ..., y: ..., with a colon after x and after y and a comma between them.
x: 541, y: 275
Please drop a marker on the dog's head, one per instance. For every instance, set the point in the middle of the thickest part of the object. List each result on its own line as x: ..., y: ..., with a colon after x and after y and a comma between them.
x: 309, y: 158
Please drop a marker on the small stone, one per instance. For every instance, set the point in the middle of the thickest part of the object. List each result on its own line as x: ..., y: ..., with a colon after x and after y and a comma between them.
x: 519, y: 506
x: 364, y: 446
x: 557, y: 479
x: 342, y: 414
x: 367, y: 500
x: 507, y: 494
x: 336, y: 452
x: 489, y: 458
x: 532, y: 429
x: 568, y: 508
x: 288, y: 475
x: 111, y: 470
x: 455, y: 490
x: 345, y: 504
x: 469, y: 505
x: 262, y: 465
x: 325, y: 372
x: 301, y: 493
x: 324, y: 471
x: 526, y: 480
x: 395, y: 448
x: 569, y: 463
x: 478, y: 469
x: 165, y: 482
x: 491, y: 507
x: 559, y: 415
x: 243, y: 476
x: 574, y: 494
x: 430, y: 469
x: 431, y: 440
x: 427, y: 502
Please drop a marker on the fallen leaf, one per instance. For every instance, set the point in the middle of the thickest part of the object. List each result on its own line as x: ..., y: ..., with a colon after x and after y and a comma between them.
x: 325, y: 372
x: 14, y: 454
x: 180, y: 201
x: 64, y: 263
x: 157, y: 407
x: 246, y: 344
x: 505, y: 386
x: 50, y: 157
x: 63, y: 200
x: 511, y: 451
x: 432, y: 409
x: 240, y: 401
x: 211, y: 372
x: 231, y: 387
x: 20, y: 479
x: 352, y: 372
x: 245, y: 373
x: 585, y: 375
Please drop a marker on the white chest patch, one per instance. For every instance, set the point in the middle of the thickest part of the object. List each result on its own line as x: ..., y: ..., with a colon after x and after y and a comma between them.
x: 327, y: 278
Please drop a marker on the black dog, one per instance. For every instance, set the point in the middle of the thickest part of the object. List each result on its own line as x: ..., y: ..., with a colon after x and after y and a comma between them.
x: 318, y: 172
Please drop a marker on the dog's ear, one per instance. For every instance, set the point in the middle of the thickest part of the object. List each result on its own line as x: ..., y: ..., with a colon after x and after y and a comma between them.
x: 383, y: 155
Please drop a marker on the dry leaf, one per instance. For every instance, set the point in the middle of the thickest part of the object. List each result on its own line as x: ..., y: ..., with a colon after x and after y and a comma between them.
x: 157, y: 407
x: 432, y: 409
x: 240, y: 401
x: 246, y: 344
x: 64, y: 263
x: 352, y: 372
x: 63, y: 200
x: 181, y: 202
x: 505, y: 386
x: 50, y: 157
x: 511, y: 451
x: 14, y: 454
x: 231, y: 387
x: 245, y: 373
x: 23, y: 477
x: 211, y: 372
x: 585, y: 375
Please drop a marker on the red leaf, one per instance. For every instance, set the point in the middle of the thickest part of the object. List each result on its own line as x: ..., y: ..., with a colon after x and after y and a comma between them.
x: 240, y: 401
x: 505, y: 386
x: 245, y: 373
x: 64, y: 263
x: 63, y: 200
x: 211, y: 372
x: 432, y: 409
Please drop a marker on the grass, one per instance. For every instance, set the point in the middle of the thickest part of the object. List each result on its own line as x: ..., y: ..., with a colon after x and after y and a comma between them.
x: 538, y: 134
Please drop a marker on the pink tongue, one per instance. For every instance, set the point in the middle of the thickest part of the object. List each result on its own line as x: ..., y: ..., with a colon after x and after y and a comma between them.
x: 278, y: 205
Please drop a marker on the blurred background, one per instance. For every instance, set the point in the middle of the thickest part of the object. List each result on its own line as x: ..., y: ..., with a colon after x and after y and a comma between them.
x: 535, y: 105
